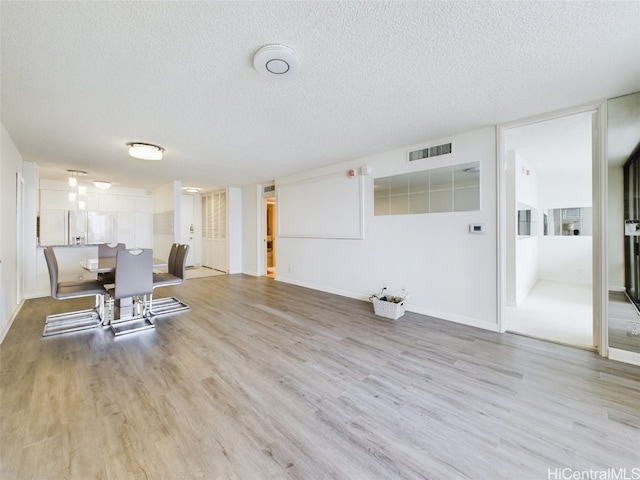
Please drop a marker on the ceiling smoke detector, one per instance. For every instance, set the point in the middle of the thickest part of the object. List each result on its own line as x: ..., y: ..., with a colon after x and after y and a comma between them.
x: 276, y: 61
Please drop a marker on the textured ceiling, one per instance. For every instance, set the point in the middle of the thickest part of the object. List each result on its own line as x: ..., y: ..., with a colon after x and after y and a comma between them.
x: 81, y: 79
x: 558, y: 146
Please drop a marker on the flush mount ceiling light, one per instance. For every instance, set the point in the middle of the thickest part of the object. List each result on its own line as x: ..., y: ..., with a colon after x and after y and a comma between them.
x: 191, y: 190
x: 73, y: 176
x: 145, y: 151
x: 101, y: 184
x: 276, y: 61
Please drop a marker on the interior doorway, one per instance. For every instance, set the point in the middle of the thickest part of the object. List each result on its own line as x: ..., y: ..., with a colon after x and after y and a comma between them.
x: 270, y: 236
x: 549, y: 229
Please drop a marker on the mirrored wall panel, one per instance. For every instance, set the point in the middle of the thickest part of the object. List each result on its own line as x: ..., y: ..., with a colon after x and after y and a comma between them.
x: 568, y: 222
x: 623, y: 246
x: 527, y: 215
x: 454, y: 188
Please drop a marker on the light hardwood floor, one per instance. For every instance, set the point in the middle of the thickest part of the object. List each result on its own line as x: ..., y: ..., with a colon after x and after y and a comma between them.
x: 263, y: 380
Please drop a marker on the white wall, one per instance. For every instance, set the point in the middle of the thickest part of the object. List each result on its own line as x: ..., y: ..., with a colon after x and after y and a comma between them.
x: 449, y: 273
x: 234, y: 225
x: 567, y: 189
x: 191, y: 213
x: 10, y: 166
x: 197, y: 234
x: 527, y: 248
x: 251, y: 229
x: 30, y: 237
x: 566, y: 258
x: 511, y: 228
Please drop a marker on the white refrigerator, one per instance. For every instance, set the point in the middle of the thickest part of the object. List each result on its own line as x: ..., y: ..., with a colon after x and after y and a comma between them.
x: 91, y: 227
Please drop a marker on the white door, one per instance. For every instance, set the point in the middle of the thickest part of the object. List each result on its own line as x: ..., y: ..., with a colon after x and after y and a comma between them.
x: 188, y: 226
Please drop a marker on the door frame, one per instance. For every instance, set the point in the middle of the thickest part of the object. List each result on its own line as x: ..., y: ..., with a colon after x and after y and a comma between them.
x: 19, y: 238
x: 265, y: 198
x: 599, y: 196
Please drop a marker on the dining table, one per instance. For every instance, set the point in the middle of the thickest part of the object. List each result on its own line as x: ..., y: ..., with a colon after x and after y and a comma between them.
x: 108, y: 264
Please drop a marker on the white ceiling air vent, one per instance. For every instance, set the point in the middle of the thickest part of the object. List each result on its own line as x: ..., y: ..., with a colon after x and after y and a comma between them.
x: 444, y: 149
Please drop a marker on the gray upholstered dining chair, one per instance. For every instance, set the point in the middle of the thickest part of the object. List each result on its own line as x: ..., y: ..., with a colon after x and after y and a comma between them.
x: 133, y: 282
x: 77, y: 320
x: 175, y: 276
x: 172, y: 256
x: 176, y: 266
x: 109, y: 250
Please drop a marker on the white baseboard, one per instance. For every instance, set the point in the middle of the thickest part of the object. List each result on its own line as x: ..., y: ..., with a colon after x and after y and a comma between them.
x: 472, y: 322
x: 253, y: 273
x: 313, y: 286
x: 569, y: 281
x: 7, y: 325
x: 30, y: 296
x: 624, y: 356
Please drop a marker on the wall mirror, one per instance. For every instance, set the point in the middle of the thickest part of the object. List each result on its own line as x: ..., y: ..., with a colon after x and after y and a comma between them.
x: 568, y: 222
x: 623, y: 140
x: 526, y: 220
x: 454, y: 188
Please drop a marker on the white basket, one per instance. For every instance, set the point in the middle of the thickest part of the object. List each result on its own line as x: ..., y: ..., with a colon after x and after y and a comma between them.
x: 386, y: 309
